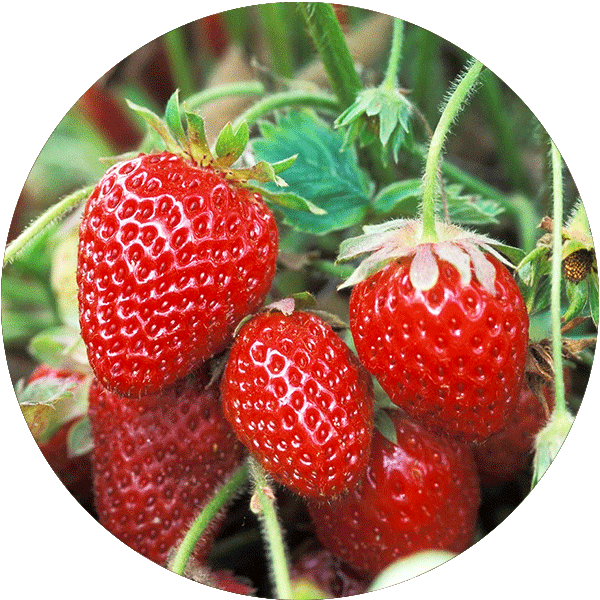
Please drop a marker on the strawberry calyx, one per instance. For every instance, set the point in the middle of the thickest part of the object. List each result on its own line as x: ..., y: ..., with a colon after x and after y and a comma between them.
x: 399, y: 238
x: 182, y: 133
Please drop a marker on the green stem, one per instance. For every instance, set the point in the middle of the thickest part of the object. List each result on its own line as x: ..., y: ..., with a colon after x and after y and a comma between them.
x: 455, y: 103
x: 273, y: 102
x: 56, y: 211
x: 390, y: 79
x: 264, y: 505
x: 276, y: 32
x: 223, y: 495
x: 174, y: 42
x: 556, y: 279
x: 242, y: 88
x: 328, y: 38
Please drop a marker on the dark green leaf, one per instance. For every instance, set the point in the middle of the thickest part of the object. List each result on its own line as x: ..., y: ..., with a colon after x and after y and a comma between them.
x: 324, y: 176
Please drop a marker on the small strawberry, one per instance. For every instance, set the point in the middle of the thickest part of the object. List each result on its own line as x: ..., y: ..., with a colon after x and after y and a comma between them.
x: 442, y: 326
x: 175, y: 248
x: 506, y: 454
x: 300, y: 401
x: 420, y: 492
x: 331, y: 576
x: 156, y: 466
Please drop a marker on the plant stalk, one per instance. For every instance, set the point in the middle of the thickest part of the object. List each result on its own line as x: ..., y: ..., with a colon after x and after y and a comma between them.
x: 223, y: 495
x: 390, y: 79
x: 455, y: 104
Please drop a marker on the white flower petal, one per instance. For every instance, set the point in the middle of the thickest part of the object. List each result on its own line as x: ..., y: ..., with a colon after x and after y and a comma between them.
x: 424, y: 270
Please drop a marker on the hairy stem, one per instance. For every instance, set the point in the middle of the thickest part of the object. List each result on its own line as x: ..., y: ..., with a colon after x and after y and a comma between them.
x: 328, y: 38
x: 264, y: 505
x: 455, y: 103
x: 55, y: 212
x: 390, y: 79
x: 556, y: 279
x: 242, y: 88
x: 223, y: 495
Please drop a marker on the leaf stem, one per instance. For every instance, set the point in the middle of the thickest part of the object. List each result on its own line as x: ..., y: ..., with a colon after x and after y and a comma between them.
x: 277, y: 35
x: 390, y: 79
x: 556, y: 278
x: 237, y: 479
x: 454, y: 105
x: 174, y: 42
x: 241, y: 88
x: 264, y: 505
x: 55, y: 212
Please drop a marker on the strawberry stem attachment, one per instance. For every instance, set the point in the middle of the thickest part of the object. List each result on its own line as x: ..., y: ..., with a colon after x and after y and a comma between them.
x: 223, y: 495
x: 456, y: 102
x: 390, y: 79
x: 264, y: 505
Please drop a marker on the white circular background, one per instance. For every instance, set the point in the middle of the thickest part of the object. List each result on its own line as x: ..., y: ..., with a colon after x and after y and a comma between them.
x: 54, y: 51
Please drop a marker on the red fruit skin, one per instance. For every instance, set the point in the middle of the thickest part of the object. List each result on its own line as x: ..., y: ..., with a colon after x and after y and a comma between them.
x: 421, y: 493
x: 171, y: 257
x: 298, y: 398
x: 453, y: 356
x: 156, y: 467
x: 329, y: 573
x: 508, y: 453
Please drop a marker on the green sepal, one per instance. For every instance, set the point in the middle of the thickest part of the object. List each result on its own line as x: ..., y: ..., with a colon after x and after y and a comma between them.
x: 384, y: 424
x: 288, y: 200
x: 158, y: 125
x: 173, y: 119
x: 197, y: 144
x: 231, y: 144
x: 79, y: 438
x: 571, y: 246
x: 61, y: 348
x: 594, y: 297
x: 577, y: 294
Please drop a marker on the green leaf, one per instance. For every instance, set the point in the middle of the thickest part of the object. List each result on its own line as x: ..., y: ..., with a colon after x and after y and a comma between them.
x: 231, y: 144
x: 577, y: 294
x: 79, y: 438
x: 322, y: 175
x: 400, y: 197
x: 288, y: 201
x: 61, y: 348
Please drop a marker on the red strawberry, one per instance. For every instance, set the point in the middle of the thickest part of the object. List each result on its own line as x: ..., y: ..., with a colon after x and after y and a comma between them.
x: 444, y: 329
x: 298, y: 398
x: 421, y: 492
x: 156, y: 467
x: 171, y: 257
x: 329, y: 574
x: 508, y: 453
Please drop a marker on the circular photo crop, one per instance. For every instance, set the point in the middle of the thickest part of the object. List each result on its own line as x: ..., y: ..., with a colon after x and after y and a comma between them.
x: 299, y: 301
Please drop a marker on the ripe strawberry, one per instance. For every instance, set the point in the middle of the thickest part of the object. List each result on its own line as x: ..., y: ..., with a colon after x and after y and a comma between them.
x: 444, y: 329
x: 171, y: 257
x: 299, y: 400
x: 330, y: 575
x: 156, y: 466
x: 506, y: 454
x: 421, y: 492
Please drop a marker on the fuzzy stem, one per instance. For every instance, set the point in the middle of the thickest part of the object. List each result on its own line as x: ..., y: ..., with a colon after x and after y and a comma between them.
x: 454, y: 105
x: 237, y: 479
x: 174, y: 42
x: 390, y: 79
x: 264, y: 505
x: 56, y: 211
x: 328, y: 38
x: 242, y: 88
x: 274, y: 102
x: 556, y: 278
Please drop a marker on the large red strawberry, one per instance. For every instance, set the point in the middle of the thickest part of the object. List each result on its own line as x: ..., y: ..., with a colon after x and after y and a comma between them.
x: 420, y: 492
x: 444, y: 329
x: 506, y: 454
x: 298, y: 398
x: 155, y: 467
x: 171, y: 257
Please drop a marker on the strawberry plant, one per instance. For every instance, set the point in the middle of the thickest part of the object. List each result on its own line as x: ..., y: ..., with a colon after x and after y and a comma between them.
x: 307, y: 332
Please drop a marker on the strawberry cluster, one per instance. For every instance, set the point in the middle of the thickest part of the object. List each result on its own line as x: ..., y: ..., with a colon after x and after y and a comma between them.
x: 193, y: 370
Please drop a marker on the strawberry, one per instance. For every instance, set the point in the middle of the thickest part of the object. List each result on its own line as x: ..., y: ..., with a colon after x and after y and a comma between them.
x: 508, y: 453
x: 299, y: 400
x: 444, y: 329
x: 171, y: 257
x: 155, y: 466
x: 328, y: 574
x: 419, y: 492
